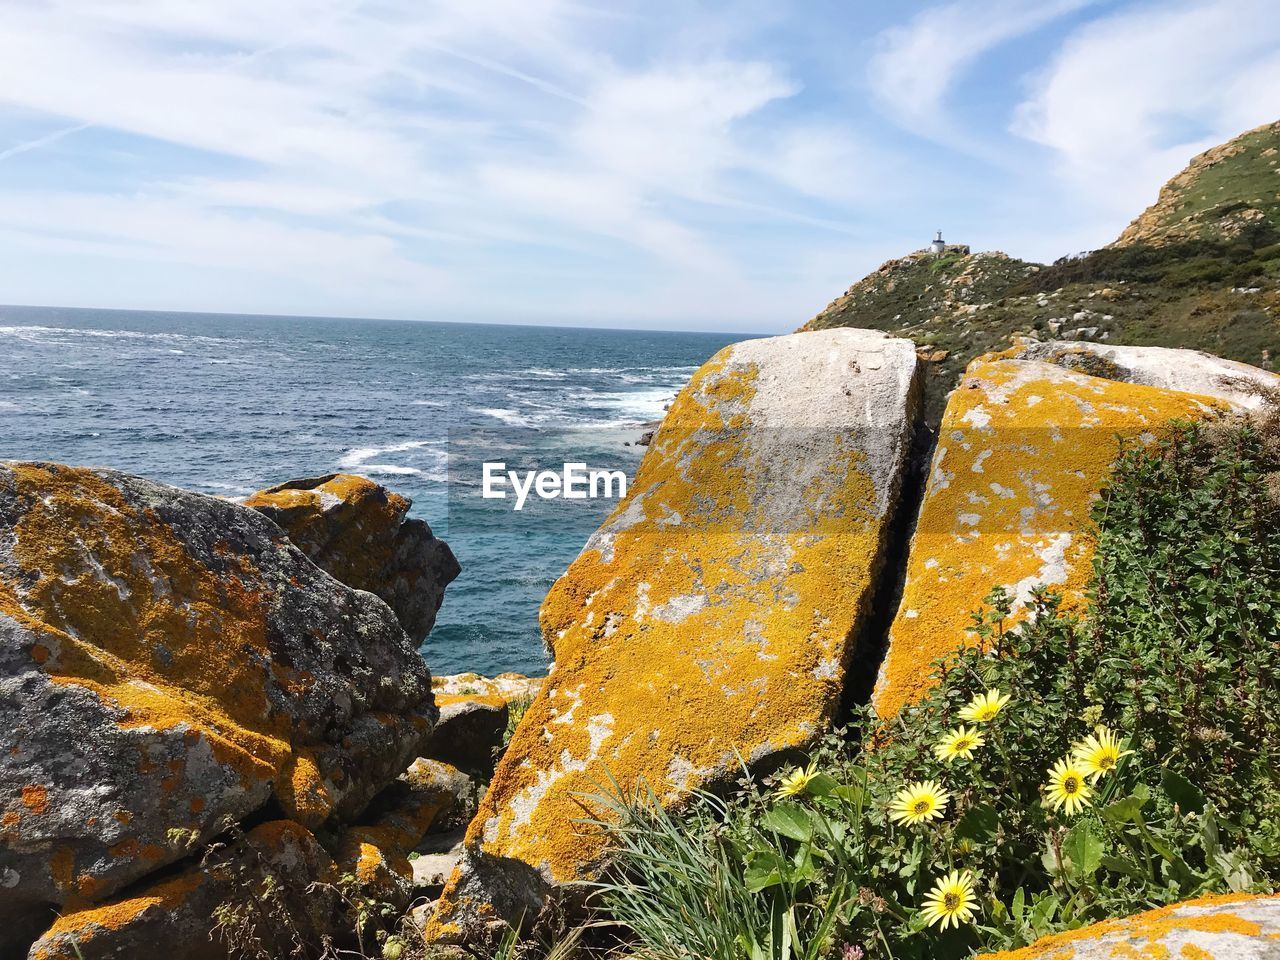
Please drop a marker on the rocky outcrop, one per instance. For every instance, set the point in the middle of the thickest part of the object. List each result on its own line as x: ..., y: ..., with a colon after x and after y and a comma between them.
x: 169, y: 664
x: 275, y: 886
x: 359, y: 532
x: 1223, y: 192
x: 1234, y: 927
x: 1189, y: 371
x: 505, y: 686
x: 716, y: 612
x: 474, y: 714
x: 1024, y: 449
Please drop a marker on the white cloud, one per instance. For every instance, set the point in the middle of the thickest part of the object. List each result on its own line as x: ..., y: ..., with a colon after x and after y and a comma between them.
x: 918, y: 64
x: 1130, y: 98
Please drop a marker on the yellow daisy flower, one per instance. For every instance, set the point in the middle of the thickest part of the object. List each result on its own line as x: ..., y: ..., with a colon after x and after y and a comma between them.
x: 984, y: 706
x: 797, y: 781
x: 951, y: 901
x: 1067, y: 786
x: 1099, y: 753
x: 918, y: 802
x: 960, y: 742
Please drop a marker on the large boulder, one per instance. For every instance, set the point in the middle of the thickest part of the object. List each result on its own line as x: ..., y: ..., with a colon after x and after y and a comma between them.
x: 474, y: 714
x: 1232, y: 927
x: 713, y: 617
x: 359, y: 532
x: 273, y: 890
x: 1026, y: 444
x: 169, y: 663
x: 1187, y: 371
x: 277, y: 885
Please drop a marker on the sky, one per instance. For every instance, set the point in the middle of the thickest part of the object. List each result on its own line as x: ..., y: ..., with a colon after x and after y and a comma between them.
x: 628, y: 163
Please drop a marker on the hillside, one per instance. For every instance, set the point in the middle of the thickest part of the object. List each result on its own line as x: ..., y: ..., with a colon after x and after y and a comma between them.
x: 1199, y: 269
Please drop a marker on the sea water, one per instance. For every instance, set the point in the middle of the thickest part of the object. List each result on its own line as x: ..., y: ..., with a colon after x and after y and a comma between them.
x: 227, y: 405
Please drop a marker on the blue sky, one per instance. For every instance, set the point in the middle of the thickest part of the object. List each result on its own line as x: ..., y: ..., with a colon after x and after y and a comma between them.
x: 728, y: 166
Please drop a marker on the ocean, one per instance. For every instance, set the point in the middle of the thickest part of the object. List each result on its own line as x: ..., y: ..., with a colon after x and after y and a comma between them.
x: 227, y: 405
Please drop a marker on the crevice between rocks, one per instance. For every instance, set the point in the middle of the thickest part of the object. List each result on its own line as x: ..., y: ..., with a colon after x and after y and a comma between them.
x: 873, y: 640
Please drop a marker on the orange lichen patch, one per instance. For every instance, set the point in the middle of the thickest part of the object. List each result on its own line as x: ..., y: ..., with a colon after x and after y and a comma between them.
x: 349, y: 552
x: 10, y: 819
x: 35, y: 798
x: 507, y: 686
x: 1023, y: 451
x: 62, y: 865
x: 107, y: 628
x: 303, y: 790
x: 491, y: 700
x: 80, y: 926
x: 1190, y: 951
x: 709, y: 618
x: 1142, y: 933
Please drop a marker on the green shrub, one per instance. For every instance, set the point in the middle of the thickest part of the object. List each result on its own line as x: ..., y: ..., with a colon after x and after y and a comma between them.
x: 1178, y: 658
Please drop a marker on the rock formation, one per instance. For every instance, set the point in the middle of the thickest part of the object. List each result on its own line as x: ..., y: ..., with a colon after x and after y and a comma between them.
x: 1233, y: 927
x: 1198, y: 269
x: 474, y: 714
x: 1222, y: 192
x: 712, y: 618
x: 1026, y: 444
x: 359, y: 532
x: 171, y: 663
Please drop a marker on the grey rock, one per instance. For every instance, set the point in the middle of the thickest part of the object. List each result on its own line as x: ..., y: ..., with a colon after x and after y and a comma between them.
x: 360, y: 533
x: 169, y: 663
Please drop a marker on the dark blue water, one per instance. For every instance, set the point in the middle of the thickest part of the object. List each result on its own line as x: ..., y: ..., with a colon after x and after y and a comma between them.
x: 230, y: 404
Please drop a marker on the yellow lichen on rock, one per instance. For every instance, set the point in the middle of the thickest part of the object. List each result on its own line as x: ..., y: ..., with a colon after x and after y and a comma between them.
x: 177, y: 653
x: 1024, y: 449
x: 714, y: 613
x: 360, y: 532
x: 1209, y: 928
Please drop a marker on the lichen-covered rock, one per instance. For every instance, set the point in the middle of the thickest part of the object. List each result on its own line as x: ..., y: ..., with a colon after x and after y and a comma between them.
x: 259, y: 887
x: 469, y: 731
x: 359, y: 532
x: 170, y: 662
x: 474, y: 713
x: 277, y: 882
x: 376, y: 852
x: 1024, y: 449
x: 715, y: 612
x: 508, y: 686
x: 1188, y: 371
x: 1233, y: 927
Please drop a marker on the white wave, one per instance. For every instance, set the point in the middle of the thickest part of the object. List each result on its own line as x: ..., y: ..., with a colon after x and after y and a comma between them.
x: 367, y: 460
x: 38, y: 332
x: 388, y: 469
x: 505, y: 415
x: 357, y: 456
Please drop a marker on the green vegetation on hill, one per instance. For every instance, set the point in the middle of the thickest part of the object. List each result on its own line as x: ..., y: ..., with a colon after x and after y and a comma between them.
x: 1199, y: 269
x: 1064, y: 771
x: 1223, y: 191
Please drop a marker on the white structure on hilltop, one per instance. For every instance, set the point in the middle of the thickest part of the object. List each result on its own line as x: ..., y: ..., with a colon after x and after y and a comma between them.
x: 938, y: 245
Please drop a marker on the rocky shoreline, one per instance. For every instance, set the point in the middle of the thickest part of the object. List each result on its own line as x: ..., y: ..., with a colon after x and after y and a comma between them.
x: 223, y: 739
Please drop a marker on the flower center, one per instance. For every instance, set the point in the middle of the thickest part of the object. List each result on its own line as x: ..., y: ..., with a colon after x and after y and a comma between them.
x: 951, y: 901
x: 1106, y: 761
x: 963, y: 743
x: 921, y: 806
x: 1070, y: 785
